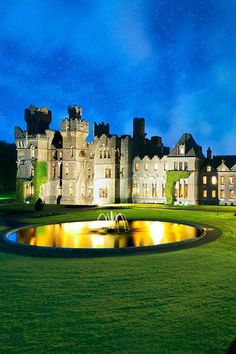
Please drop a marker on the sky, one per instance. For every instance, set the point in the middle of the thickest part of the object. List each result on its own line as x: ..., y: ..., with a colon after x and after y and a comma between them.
x: 171, y: 62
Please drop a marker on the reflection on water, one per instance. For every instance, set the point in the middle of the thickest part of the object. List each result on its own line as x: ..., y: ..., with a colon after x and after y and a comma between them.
x: 95, y: 234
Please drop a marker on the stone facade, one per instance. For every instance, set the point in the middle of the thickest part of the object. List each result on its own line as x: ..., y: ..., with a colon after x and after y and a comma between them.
x: 113, y: 169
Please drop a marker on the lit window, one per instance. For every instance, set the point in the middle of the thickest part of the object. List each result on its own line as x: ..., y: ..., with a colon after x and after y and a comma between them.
x: 107, y: 173
x: 145, y: 190
x: 204, y: 179
x: 181, y: 190
x: 204, y: 193
x: 186, y: 190
x: 213, y: 180
x: 54, y: 171
x: 213, y: 193
x: 208, y: 168
x: 136, y: 189
x: 146, y: 166
x: 154, y: 190
x: 222, y: 180
x: 231, y: 180
x: 181, y: 150
x: 231, y: 194
x: 136, y: 167
x: 222, y: 194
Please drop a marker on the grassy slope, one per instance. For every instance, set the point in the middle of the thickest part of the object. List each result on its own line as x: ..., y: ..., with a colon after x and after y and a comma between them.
x: 177, y: 302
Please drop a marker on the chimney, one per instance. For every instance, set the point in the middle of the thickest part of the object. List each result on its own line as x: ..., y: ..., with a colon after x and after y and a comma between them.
x: 209, y: 153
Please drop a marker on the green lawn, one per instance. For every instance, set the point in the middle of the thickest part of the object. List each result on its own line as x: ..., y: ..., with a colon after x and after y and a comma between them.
x: 174, y: 302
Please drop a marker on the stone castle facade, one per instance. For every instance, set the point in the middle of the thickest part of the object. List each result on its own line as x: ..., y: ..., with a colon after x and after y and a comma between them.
x: 113, y: 169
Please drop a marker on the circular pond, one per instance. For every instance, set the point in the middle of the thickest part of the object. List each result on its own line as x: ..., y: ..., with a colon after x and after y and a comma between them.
x: 100, y: 235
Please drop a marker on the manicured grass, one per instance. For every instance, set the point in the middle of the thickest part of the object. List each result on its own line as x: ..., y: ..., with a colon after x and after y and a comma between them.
x: 175, y: 302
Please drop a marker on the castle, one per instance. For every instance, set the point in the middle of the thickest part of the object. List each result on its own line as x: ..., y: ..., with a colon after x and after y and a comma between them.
x: 63, y: 167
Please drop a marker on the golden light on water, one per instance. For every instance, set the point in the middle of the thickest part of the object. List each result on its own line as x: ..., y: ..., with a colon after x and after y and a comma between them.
x: 98, y: 234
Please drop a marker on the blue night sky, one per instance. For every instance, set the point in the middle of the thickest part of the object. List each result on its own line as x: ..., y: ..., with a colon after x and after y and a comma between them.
x: 172, y: 62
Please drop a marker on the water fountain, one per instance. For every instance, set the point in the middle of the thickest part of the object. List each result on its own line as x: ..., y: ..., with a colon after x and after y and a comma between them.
x: 117, y: 221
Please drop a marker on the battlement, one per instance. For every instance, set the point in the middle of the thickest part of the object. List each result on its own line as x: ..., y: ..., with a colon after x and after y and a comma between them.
x: 74, y: 125
x: 37, y: 119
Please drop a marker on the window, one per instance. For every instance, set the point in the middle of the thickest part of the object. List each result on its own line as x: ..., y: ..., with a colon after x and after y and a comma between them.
x: 105, y: 154
x: 100, y: 154
x: 181, y: 150
x: 208, y: 168
x: 180, y: 166
x: 175, y: 166
x: 136, y: 167
x: 185, y: 166
x: 204, y: 193
x: 204, y: 179
x: 32, y: 151
x: 66, y: 170
x: 107, y: 172
x: 103, y: 192
x: 222, y: 194
x: 122, y: 172
x: 155, y: 167
x: 71, y: 151
x: 60, y: 155
x: 181, y: 190
x: 145, y: 189
x: 89, y: 173
x: 109, y: 154
x: 54, y: 171
x: 165, y: 166
x: 90, y: 192
x: 186, y: 190
x: 231, y: 180
x: 154, y: 190
x: 146, y: 166
x: 231, y: 194
x: 136, y: 189
x: 222, y: 180
x: 163, y: 190
x: 32, y: 171
x: 213, y: 180
x: 213, y: 193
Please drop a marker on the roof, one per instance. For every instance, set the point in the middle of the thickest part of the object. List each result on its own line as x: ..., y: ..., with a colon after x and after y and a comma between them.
x: 192, y: 149
x: 216, y: 161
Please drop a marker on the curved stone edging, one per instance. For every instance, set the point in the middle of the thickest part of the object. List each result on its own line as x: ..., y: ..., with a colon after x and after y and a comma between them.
x: 208, y: 234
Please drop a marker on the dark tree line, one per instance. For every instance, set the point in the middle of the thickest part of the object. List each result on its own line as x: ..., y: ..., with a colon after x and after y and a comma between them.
x: 7, y: 167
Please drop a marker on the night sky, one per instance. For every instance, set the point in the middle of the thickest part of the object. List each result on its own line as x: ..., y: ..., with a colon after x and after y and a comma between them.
x: 172, y: 62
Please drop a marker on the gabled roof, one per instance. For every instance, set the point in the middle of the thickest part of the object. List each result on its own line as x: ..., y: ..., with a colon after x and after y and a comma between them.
x: 216, y: 161
x: 192, y: 149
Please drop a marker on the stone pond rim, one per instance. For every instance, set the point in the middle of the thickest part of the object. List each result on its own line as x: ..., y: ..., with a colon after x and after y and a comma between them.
x: 207, y: 234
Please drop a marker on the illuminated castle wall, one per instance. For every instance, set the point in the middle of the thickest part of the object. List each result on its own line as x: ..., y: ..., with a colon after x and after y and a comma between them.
x: 113, y: 169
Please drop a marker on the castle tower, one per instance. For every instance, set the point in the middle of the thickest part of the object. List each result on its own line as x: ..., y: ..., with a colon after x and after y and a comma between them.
x: 37, y: 119
x: 101, y: 128
x: 139, y: 128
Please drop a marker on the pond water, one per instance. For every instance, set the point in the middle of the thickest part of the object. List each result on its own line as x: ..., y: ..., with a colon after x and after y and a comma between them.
x: 99, y: 234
